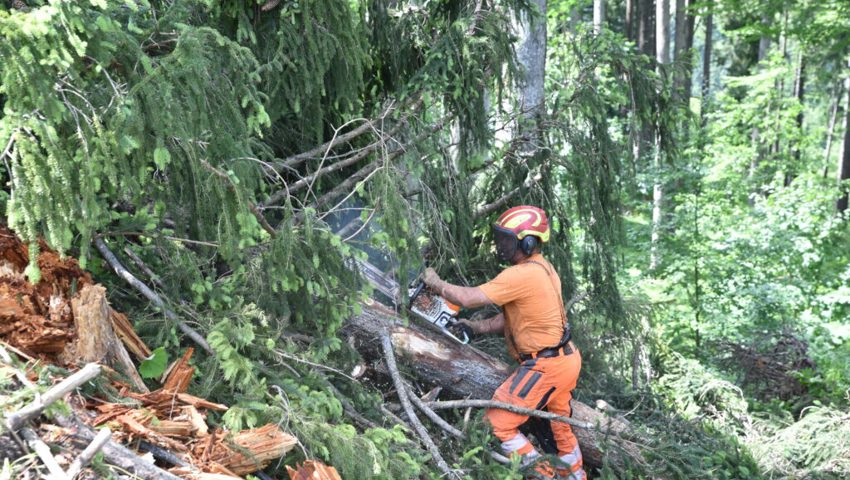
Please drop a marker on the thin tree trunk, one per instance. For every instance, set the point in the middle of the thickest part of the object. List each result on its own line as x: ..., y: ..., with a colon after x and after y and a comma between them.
x: 631, y: 7
x: 764, y: 41
x: 799, y: 92
x: 780, y: 87
x: 706, y: 63
x: 755, y: 136
x: 827, y: 151
x: 844, y: 156
x: 646, y: 28
x: 662, y: 35
x: 683, y: 42
x: 598, y: 15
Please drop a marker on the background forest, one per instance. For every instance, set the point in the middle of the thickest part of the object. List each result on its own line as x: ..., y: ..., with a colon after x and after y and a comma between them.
x: 238, y: 155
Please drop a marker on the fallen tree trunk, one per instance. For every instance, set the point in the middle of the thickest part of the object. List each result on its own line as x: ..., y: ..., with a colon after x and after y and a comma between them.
x: 464, y: 371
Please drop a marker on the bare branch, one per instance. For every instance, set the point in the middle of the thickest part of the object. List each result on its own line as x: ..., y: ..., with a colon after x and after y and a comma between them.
x: 450, y: 404
x: 43, y: 451
x: 150, y: 294
x: 89, y: 452
x: 16, y: 420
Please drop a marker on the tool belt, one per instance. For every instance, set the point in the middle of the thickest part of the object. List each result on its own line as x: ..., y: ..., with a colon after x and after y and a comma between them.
x: 563, y: 349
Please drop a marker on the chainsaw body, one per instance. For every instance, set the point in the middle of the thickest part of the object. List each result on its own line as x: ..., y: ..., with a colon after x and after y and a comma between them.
x: 438, y: 311
x: 421, y: 301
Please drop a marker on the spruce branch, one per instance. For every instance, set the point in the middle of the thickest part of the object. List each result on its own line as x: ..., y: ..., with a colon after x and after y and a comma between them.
x: 122, y: 272
x: 251, y: 206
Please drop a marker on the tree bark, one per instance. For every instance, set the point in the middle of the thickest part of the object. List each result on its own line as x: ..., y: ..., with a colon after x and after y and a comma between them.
x: 844, y: 156
x: 646, y: 30
x: 531, y: 54
x: 631, y: 8
x: 464, y: 371
x: 684, y: 40
x: 706, y: 61
x: 833, y: 118
x: 662, y: 35
x: 598, y: 15
x: 96, y: 339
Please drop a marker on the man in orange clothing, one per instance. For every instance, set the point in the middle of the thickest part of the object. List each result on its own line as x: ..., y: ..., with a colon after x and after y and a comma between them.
x: 536, y: 331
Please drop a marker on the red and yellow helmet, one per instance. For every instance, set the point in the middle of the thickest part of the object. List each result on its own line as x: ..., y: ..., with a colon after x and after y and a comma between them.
x: 520, y: 228
x: 525, y: 220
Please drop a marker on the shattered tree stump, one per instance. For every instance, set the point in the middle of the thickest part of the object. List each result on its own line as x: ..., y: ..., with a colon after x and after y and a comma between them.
x: 96, y: 340
x: 464, y: 371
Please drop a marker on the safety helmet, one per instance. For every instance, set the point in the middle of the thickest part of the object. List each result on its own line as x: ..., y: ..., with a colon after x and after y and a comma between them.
x: 523, y: 227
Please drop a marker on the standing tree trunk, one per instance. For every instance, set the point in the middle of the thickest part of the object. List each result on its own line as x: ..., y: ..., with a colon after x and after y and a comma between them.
x: 662, y: 35
x: 683, y: 42
x: 827, y: 150
x: 706, y: 63
x: 598, y: 15
x: 844, y: 156
x: 630, y: 19
x: 799, y: 91
x: 531, y: 55
x: 646, y: 30
x: 755, y: 136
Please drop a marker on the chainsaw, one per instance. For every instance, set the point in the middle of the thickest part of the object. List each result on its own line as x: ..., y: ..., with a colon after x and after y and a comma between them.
x: 422, y: 302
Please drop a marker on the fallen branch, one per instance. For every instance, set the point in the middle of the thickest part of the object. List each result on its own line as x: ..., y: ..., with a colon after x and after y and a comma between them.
x: 43, y: 451
x: 117, y: 454
x: 349, y: 183
x: 434, y: 417
x: 438, y: 420
x: 451, y: 404
x: 387, y: 345
x: 16, y: 420
x: 89, y: 452
x: 149, y: 294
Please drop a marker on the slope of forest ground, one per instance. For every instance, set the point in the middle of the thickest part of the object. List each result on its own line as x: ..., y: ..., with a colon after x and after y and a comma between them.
x: 236, y: 158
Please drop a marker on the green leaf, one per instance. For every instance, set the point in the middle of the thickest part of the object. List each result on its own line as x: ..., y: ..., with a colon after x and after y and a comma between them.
x: 154, y: 365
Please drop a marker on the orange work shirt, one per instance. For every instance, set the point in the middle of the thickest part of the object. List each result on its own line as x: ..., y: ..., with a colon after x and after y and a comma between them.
x: 529, y: 294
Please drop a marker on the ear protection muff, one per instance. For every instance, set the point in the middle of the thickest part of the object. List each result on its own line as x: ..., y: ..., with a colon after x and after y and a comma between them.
x: 528, y: 244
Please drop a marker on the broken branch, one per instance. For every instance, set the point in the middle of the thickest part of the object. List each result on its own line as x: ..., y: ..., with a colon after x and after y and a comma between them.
x: 43, y: 451
x: 89, y: 452
x: 17, y: 419
x: 450, y: 404
x: 149, y: 294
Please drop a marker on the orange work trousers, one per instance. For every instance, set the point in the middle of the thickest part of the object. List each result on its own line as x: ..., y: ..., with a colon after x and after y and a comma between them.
x: 540, y: 383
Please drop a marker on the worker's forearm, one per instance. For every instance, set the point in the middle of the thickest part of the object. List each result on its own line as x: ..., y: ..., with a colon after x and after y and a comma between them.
x: 467, y: 297
x: 494, y: 324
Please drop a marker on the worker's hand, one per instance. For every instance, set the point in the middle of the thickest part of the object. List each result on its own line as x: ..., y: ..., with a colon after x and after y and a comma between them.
x: 430, y: 277
x: 468, y: 323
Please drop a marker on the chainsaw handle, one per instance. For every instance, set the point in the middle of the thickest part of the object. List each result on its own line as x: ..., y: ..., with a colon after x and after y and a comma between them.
x: 462, y: 332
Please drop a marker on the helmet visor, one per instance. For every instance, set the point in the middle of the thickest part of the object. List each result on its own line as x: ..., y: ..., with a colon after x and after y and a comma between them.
x: 506, y: 243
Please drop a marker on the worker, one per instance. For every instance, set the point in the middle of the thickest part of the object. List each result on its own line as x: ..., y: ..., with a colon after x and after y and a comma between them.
x: 537, y: 334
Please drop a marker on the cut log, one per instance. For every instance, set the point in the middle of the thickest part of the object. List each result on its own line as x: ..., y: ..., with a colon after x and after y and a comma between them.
x: 464, y: 371
x: 96, y: 340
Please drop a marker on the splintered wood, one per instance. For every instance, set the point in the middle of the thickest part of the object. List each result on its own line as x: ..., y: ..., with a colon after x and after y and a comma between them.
x: 65, y: 319
x: 312, y: 470
x: 172, y: 419
x: 39, y: 319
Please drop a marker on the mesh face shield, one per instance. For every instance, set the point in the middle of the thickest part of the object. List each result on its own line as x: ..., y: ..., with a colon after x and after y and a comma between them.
x: 506, y: 243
